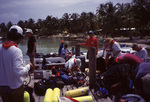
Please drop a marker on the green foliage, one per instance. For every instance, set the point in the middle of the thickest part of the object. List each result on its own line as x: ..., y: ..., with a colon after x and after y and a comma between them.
x: 108, y: 17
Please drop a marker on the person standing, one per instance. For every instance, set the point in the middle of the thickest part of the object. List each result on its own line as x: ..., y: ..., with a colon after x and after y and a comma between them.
x: 60, y: 47
x: 12, y: 68
x: 140, y: 52
x: 90, y: 42
x: 31, y: 46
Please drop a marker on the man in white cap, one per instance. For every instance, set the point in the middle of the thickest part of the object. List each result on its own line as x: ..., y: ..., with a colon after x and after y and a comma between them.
x: 12, y: 68
x: 31, y: 46
x: 73, y: 64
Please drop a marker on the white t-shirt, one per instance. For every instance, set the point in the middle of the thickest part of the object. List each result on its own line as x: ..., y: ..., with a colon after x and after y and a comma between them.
x: 142, y: 54
x: 69, y: 63
x: 12, y: 67
x: 115, y: 48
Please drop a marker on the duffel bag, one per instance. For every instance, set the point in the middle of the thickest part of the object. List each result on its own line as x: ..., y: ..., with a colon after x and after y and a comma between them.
x: 40, y: 87
x: 58, y: 82
x: 66, y: 79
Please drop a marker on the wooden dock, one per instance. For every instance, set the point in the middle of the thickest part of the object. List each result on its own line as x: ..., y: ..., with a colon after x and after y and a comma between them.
x: 66, y: 88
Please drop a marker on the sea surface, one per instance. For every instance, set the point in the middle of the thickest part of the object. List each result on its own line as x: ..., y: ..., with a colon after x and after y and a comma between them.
x: 47, y: 45
x: 50, y: 45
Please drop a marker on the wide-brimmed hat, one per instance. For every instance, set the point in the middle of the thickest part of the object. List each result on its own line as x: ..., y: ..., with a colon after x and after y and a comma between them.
x: 108, y: 40
x: 134, y: 46
x: 78, y: 63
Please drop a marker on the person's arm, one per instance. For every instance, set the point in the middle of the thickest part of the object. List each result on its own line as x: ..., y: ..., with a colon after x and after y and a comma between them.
x: 78, y: 69
x: 70, y: 71
x: 84, y: 44
x: 18, y: 65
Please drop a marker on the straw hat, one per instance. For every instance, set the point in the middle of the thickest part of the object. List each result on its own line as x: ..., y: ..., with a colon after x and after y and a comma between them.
x: 108, y: 40
x: 78, y: 63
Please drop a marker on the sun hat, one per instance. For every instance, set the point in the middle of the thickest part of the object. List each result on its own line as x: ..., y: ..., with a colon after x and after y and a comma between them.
x: 108, y: 40
x: 134, y: 46
x: 18, y: 28
x: 91, y: 32
x: 29, y: 31
x: 78, y: 62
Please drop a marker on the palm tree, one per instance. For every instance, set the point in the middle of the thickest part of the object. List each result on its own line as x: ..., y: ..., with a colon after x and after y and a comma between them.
x: 3, y: 29
x: 142, y: 9
x: 129, y: 21
x: 83, y: 22
x: 90, y: 19
x: 74, y: 22
x: 21, y: 24
x: 66, y: 21
x: 110, y: 19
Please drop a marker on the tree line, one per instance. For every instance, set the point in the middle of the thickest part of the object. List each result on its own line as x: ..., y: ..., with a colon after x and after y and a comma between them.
x: 126, y: 19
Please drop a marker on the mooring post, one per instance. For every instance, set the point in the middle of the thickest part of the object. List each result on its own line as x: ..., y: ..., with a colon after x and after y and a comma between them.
x: 92, y: 66
x: 77, y: 50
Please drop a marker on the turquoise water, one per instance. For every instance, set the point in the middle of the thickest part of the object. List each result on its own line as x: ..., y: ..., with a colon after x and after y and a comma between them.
x: 47, y: 45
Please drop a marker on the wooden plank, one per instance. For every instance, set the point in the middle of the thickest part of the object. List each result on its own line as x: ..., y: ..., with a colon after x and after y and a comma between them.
x: 63, y: 90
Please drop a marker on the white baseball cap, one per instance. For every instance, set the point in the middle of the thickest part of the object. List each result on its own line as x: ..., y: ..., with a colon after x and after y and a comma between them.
x: 18, y: 28
x: 29, y: 31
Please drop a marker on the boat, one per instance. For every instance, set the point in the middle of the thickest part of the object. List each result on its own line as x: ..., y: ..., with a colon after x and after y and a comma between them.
x: 50, y: 62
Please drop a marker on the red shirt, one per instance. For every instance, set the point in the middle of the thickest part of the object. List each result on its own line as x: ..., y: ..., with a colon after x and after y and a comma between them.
x: 129, y: 59
x: 91, y: 42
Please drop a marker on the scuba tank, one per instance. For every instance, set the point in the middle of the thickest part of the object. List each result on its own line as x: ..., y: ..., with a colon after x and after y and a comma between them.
x: 48, y: 95
x: 52, y: 95
x: 84, y: 99
x: 56, y: 94
x: 77, y: 92
x: 26, y: 97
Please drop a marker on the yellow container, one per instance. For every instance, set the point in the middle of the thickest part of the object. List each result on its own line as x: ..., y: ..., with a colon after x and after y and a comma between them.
x: 84, y: 99
x: 26, y: 97
x: 56, y: 94
x: 77, y: 92
x: 48, y: 95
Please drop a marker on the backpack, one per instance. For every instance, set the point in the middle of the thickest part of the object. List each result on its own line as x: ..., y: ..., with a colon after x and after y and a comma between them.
x: 116, y: 73
x: 41, y: 86
x: 100, y: 64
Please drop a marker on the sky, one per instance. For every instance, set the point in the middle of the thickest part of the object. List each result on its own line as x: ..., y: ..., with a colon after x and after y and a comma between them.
x: 16, y: 10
